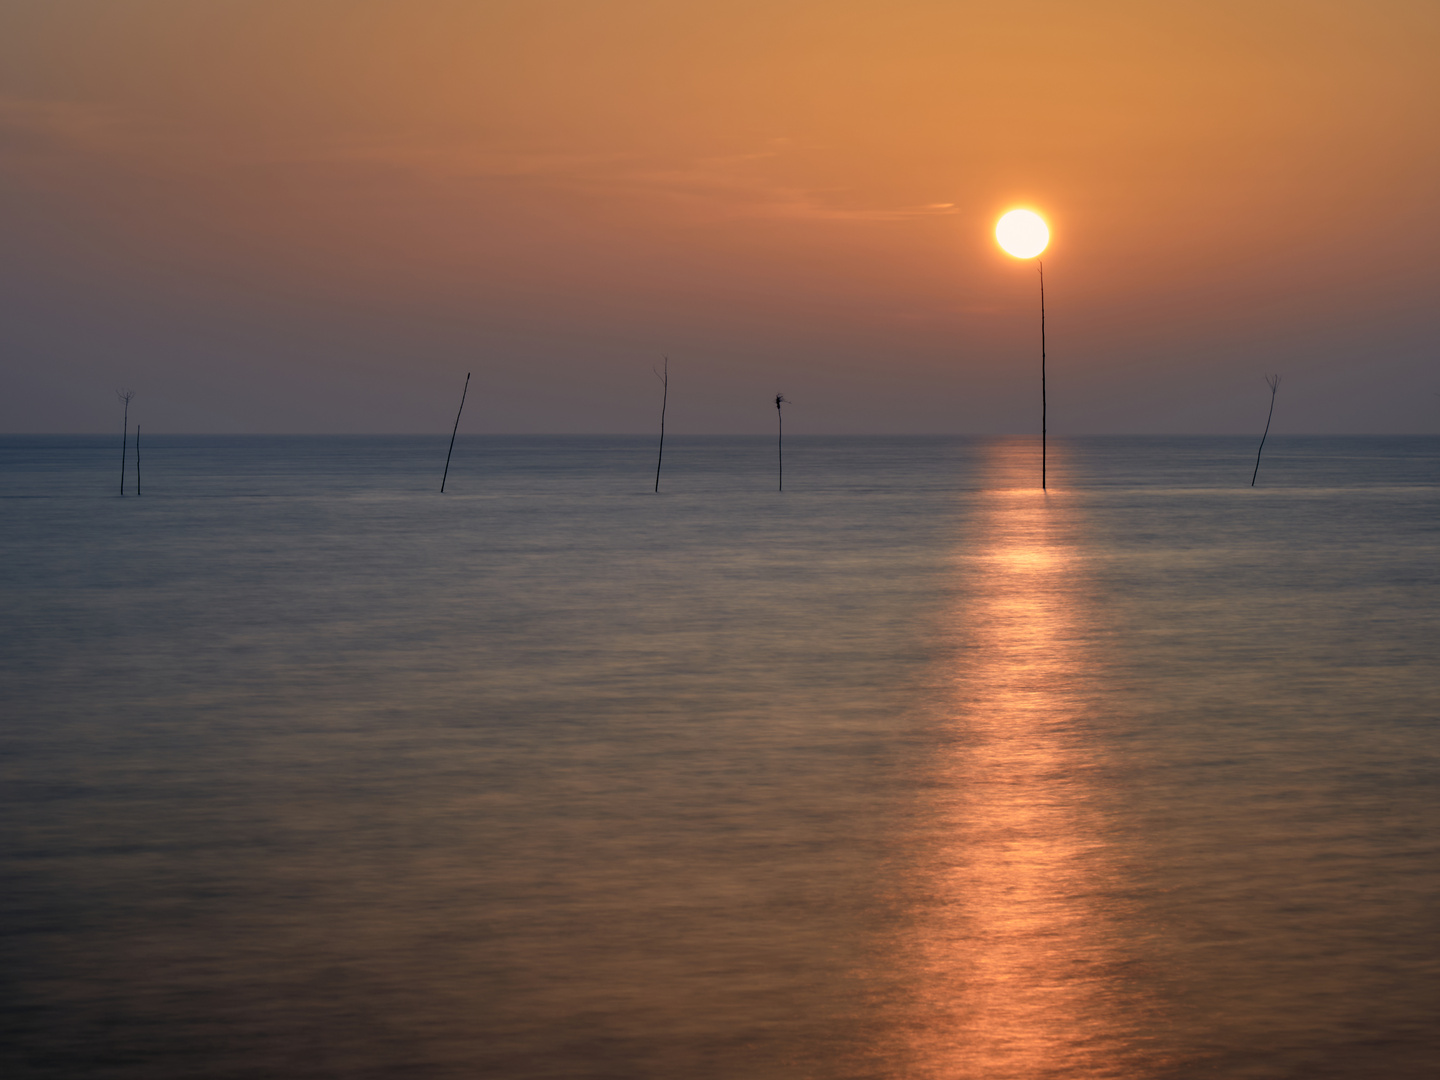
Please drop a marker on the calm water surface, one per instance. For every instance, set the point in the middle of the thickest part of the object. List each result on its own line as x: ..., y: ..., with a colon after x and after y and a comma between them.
x: 910, y: 771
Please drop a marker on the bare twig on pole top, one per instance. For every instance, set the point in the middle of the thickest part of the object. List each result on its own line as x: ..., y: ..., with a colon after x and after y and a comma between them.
x: 664, y: 377
x: 1272, y: 381
x: 445, y: 475
x: 780, y: 399
x: 124, y: 394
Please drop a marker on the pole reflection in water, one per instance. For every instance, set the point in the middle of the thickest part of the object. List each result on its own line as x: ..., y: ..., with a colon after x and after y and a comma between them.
x: 1020, y: 944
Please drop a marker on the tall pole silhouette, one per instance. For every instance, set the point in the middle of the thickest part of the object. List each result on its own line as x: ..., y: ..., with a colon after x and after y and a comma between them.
x: 137, y: 460
x: 1043, y: 407
x: 453, y: 430
x: 664, y: 400
x: 124, y: 394
x: 1024, y: 235
x: 780, y: 399
x: 1272, y: 381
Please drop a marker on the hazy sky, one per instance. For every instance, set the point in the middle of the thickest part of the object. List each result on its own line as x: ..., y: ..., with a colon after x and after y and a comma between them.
x: 295, y: 215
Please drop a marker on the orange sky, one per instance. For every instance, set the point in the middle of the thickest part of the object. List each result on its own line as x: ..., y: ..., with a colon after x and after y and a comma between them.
x: 316, y: 216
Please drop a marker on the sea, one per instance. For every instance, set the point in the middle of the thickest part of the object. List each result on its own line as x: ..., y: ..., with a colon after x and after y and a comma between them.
x: 909, y: 769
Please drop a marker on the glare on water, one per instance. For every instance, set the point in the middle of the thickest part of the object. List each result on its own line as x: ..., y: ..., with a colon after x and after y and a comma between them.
x: 1019, y: 974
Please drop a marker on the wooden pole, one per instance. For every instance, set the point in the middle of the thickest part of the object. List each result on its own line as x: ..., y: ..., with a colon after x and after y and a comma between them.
x: 1043, y: 407
x: 1272, y: 381
x: 125, y: 396
x: 137, y: 460
x: 444, y: 476
x: 780, y: 399
x: 664, y: 400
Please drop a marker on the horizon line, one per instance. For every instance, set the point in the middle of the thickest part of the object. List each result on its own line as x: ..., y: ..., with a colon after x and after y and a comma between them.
x: 728, y: 434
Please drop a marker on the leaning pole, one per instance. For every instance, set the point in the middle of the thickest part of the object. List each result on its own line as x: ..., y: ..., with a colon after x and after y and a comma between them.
x: 444, y: 476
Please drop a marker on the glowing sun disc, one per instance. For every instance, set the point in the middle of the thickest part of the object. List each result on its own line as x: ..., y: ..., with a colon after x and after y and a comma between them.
x: 1022, y: 233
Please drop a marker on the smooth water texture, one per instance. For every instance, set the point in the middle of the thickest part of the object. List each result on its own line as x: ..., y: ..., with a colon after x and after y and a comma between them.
x: 908, y: 771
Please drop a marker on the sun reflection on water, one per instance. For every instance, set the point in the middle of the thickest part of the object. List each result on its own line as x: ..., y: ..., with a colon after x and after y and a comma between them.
x: 1022, y: 969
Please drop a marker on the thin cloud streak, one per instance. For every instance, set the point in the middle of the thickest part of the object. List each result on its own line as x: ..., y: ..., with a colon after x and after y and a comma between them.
x: 731, y: 186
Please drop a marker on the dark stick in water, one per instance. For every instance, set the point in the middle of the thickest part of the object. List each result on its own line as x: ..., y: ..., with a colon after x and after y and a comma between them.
x: 453, y: 430
x: 1272, y: 381
x: 1041, y: 265
x: 664, y: 400
x: 124, y: 394
x: 780, y: 399
x: 137, y: 460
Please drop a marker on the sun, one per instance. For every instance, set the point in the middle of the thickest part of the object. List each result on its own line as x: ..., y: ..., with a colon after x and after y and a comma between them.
x: 1022, y: 233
